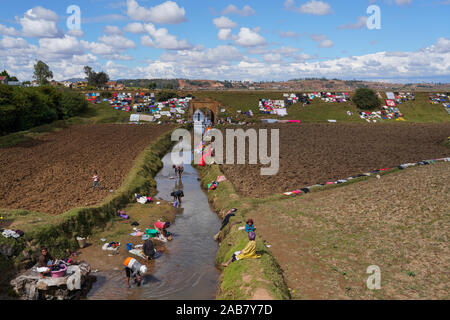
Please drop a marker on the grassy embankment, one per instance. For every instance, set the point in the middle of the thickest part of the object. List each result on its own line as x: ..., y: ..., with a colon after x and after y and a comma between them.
x: 417, y: 111
x: 246, y: 279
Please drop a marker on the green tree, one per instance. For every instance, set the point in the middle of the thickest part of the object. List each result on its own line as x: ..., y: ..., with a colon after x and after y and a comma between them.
x: 42, y: 73
x: 95, y: 79
x: 366, y: 99
x: 152, y: 85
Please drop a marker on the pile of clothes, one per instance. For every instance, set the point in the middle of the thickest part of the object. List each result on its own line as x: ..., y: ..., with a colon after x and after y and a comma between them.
x: 368, y: 174
x: 7, y: 233
x: 143, y: 199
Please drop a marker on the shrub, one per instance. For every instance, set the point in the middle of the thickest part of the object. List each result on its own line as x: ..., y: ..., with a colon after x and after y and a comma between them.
x: 24, y: 108
x: 366, y: 99
x: 165, y: 95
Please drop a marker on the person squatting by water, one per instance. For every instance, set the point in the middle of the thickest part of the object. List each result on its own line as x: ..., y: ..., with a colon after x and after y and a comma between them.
x: 134, y: 270
x: 149, y: 249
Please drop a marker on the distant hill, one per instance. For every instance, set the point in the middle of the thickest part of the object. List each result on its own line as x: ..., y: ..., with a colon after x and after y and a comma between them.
x: 74, y: 80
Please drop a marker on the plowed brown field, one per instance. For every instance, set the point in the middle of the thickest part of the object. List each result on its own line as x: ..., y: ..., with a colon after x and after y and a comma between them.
x: 318, y: 153
x: 53, y: 173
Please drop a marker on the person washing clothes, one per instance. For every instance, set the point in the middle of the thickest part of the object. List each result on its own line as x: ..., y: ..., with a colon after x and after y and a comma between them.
x: 96, y: 181
x: 149, y: 249
x: 135, y: 270
x: 249, y: 252
x: 249, y: 226
x: 177, y: 195
x: 45, y: 263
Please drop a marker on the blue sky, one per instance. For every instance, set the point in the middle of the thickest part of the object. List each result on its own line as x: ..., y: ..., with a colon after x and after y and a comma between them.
x: 234, y: 40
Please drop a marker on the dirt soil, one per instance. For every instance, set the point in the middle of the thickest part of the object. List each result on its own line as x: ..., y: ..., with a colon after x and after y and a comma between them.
x: 318, y: 153
x: 53, y: 173
x: 325, y: 241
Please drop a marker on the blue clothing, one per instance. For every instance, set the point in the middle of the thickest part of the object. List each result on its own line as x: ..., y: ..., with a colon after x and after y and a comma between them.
x: 249, y: 228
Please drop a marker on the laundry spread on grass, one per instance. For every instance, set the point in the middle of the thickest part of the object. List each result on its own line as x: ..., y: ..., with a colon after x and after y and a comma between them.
x: 368, y: 174
x: 440, y: 98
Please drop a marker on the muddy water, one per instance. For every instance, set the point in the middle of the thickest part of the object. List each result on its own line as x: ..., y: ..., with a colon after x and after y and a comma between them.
x: 187, y: 271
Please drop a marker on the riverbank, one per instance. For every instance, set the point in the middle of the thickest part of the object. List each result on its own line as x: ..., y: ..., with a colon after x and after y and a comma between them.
x: 252, y: 279
x: 59, y: 232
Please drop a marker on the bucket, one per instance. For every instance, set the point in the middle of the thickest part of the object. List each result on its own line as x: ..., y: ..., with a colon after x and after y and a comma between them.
x: 61, y: 273
x: 81, y: 242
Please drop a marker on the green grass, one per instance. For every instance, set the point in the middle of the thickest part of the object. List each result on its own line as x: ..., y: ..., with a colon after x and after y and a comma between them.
x: 418, y: 111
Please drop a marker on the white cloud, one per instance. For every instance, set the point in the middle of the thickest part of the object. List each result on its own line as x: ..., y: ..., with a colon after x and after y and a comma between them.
x: 166, y: 13
x: 221, y: 55
x: 361, y: 23
x: 40, y: 23
x: 98, y: 48
x: 117, y: 41
x: 84, y: 59
x: 8, y: 31
x: 224, y: 23
x: 112, y: 30
x: 224, y: 34
x: 249, y: 38
x: 245, y: 11
x: 160, y: 38
x: 403, y: 2
x: 326, y: 44
x: 13, y: 43
x: 290, y: 34
x: 55, y: 48
x: 134, y: 27
x: 76, y: 33
x: 318, y: 8
x: 272, y: 58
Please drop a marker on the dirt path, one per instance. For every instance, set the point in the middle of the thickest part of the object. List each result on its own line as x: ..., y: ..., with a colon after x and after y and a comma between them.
x: 325, y: 241
x: 53, y: 173
x: 317, y: 153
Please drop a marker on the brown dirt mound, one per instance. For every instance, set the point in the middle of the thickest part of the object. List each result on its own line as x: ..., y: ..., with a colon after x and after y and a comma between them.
x: 54, y: 172
x: 317, y: 153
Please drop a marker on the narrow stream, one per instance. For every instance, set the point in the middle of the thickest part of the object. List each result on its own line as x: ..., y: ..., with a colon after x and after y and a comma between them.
x: 187, y: 271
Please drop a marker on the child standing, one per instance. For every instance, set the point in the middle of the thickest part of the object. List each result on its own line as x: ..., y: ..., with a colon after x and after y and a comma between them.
x: 96, y: 181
